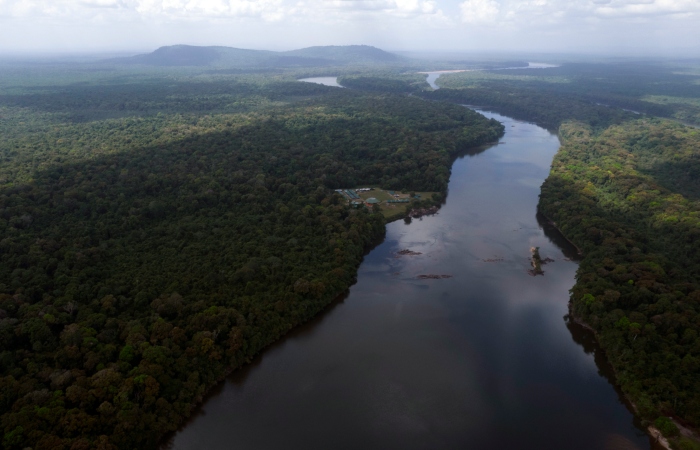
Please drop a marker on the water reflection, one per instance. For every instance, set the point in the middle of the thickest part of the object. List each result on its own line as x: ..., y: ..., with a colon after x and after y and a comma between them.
x: 480, y: 360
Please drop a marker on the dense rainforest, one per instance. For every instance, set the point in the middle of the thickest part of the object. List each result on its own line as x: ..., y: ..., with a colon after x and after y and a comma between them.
x: 161, y: 224
x: 625, y: 189
x: 663, y: 88
x: 156, y: 233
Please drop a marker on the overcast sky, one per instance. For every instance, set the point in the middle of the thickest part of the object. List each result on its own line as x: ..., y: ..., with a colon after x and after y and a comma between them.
x: 607, y: 26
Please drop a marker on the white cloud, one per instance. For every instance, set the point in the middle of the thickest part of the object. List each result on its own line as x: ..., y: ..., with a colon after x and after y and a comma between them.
x: 202, y: 9
x: 572, y: 13
x: 633, y: 8
x: 390, y: 23
x: 186, y: 9
x: 103, y: 3
x: 470, y: 11
x: 362, y: 9
x: 220, y: 9
x: 479, y: 11
x: 616, y: 9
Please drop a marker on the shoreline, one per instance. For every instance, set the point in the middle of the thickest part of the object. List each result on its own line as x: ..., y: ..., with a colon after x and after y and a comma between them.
x: 657, y: 440
x: 554, y: 225
x: 654, y: 433
x: 164, y: 443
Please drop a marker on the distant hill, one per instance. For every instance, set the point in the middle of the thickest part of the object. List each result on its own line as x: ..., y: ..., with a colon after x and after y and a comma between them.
x: 230, y: 57
x: 347, y: 54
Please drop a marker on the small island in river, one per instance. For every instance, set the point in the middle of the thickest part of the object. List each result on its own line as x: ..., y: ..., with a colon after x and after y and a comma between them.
x: 537, y: 262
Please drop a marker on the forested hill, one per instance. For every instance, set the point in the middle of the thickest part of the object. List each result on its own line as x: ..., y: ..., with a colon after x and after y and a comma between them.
x: 347, y: 54
x: 625, y: 189
x: 144, y: 257
x: 229, y: 57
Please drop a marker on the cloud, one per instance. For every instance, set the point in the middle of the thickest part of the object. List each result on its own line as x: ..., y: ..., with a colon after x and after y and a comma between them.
x: 560, y: 24
x: 479, y: 11
x: 572, y: 13
x: 469, y: 11
x: 167, y: 9
x: 325, y: 10
x: 636, y: 8
x: 221, y: 9
x: 615, y: 9
x: 207, y: 9
x: 103, y: 3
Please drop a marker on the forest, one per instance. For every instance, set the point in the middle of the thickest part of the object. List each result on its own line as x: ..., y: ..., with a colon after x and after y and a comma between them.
x: 624, y: 188
x: 157, y: 232
x: 659, y: 88
x: 162, y: 224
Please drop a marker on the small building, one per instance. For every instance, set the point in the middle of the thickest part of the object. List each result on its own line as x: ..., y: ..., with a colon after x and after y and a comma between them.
x: 372, y: 201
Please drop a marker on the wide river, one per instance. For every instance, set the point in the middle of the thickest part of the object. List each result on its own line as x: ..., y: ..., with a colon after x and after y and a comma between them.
x: 483, y: 360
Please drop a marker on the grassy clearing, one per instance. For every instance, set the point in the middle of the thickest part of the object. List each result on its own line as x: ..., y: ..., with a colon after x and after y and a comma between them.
x: 393, y: 211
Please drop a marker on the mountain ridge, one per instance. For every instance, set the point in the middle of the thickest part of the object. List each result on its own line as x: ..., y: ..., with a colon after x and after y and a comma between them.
x: 222, y: 56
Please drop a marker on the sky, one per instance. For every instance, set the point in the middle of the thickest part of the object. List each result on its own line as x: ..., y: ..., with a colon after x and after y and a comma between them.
x: 611, y: 27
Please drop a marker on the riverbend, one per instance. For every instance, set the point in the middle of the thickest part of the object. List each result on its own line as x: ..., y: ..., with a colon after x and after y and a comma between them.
x: 484, y: 357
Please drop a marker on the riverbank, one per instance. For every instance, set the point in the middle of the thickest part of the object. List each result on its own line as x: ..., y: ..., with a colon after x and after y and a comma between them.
x: 356, y: 369
x: 621, y: 326
x: 598, y: 216
x: 659, y: 442
x: 554, y: 225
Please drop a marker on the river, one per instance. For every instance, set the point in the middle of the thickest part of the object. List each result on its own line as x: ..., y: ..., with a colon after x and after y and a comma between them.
x: 326, y: 81
x: 433, y: 76
x: 483, y: 360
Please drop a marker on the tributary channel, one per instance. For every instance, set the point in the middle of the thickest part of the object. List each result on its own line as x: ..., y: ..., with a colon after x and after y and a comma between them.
x: 483, y: 360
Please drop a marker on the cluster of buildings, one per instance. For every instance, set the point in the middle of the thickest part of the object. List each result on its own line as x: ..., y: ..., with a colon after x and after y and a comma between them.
x: 355, y: 199
x: 349, y: 193
x: 353, y: 196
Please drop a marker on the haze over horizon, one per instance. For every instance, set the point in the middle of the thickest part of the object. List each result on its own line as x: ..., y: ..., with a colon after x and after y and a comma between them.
x: 630, y: 27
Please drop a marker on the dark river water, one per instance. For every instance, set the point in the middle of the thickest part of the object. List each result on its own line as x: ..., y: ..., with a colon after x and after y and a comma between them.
x: 483, y: 360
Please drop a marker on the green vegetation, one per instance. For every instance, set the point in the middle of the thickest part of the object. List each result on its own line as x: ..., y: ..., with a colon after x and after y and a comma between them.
x: 666, y: 426
x: 625, y: 189
x: 615, y: 195
x: 385, y: 82
x: 395, y: 211
x: 159, y: 231
x: 164, y: 221
x: 546, y: 109
x: 669, y: 90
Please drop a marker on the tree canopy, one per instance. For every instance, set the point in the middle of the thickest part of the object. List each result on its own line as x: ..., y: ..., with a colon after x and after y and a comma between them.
x: 157, y: 234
